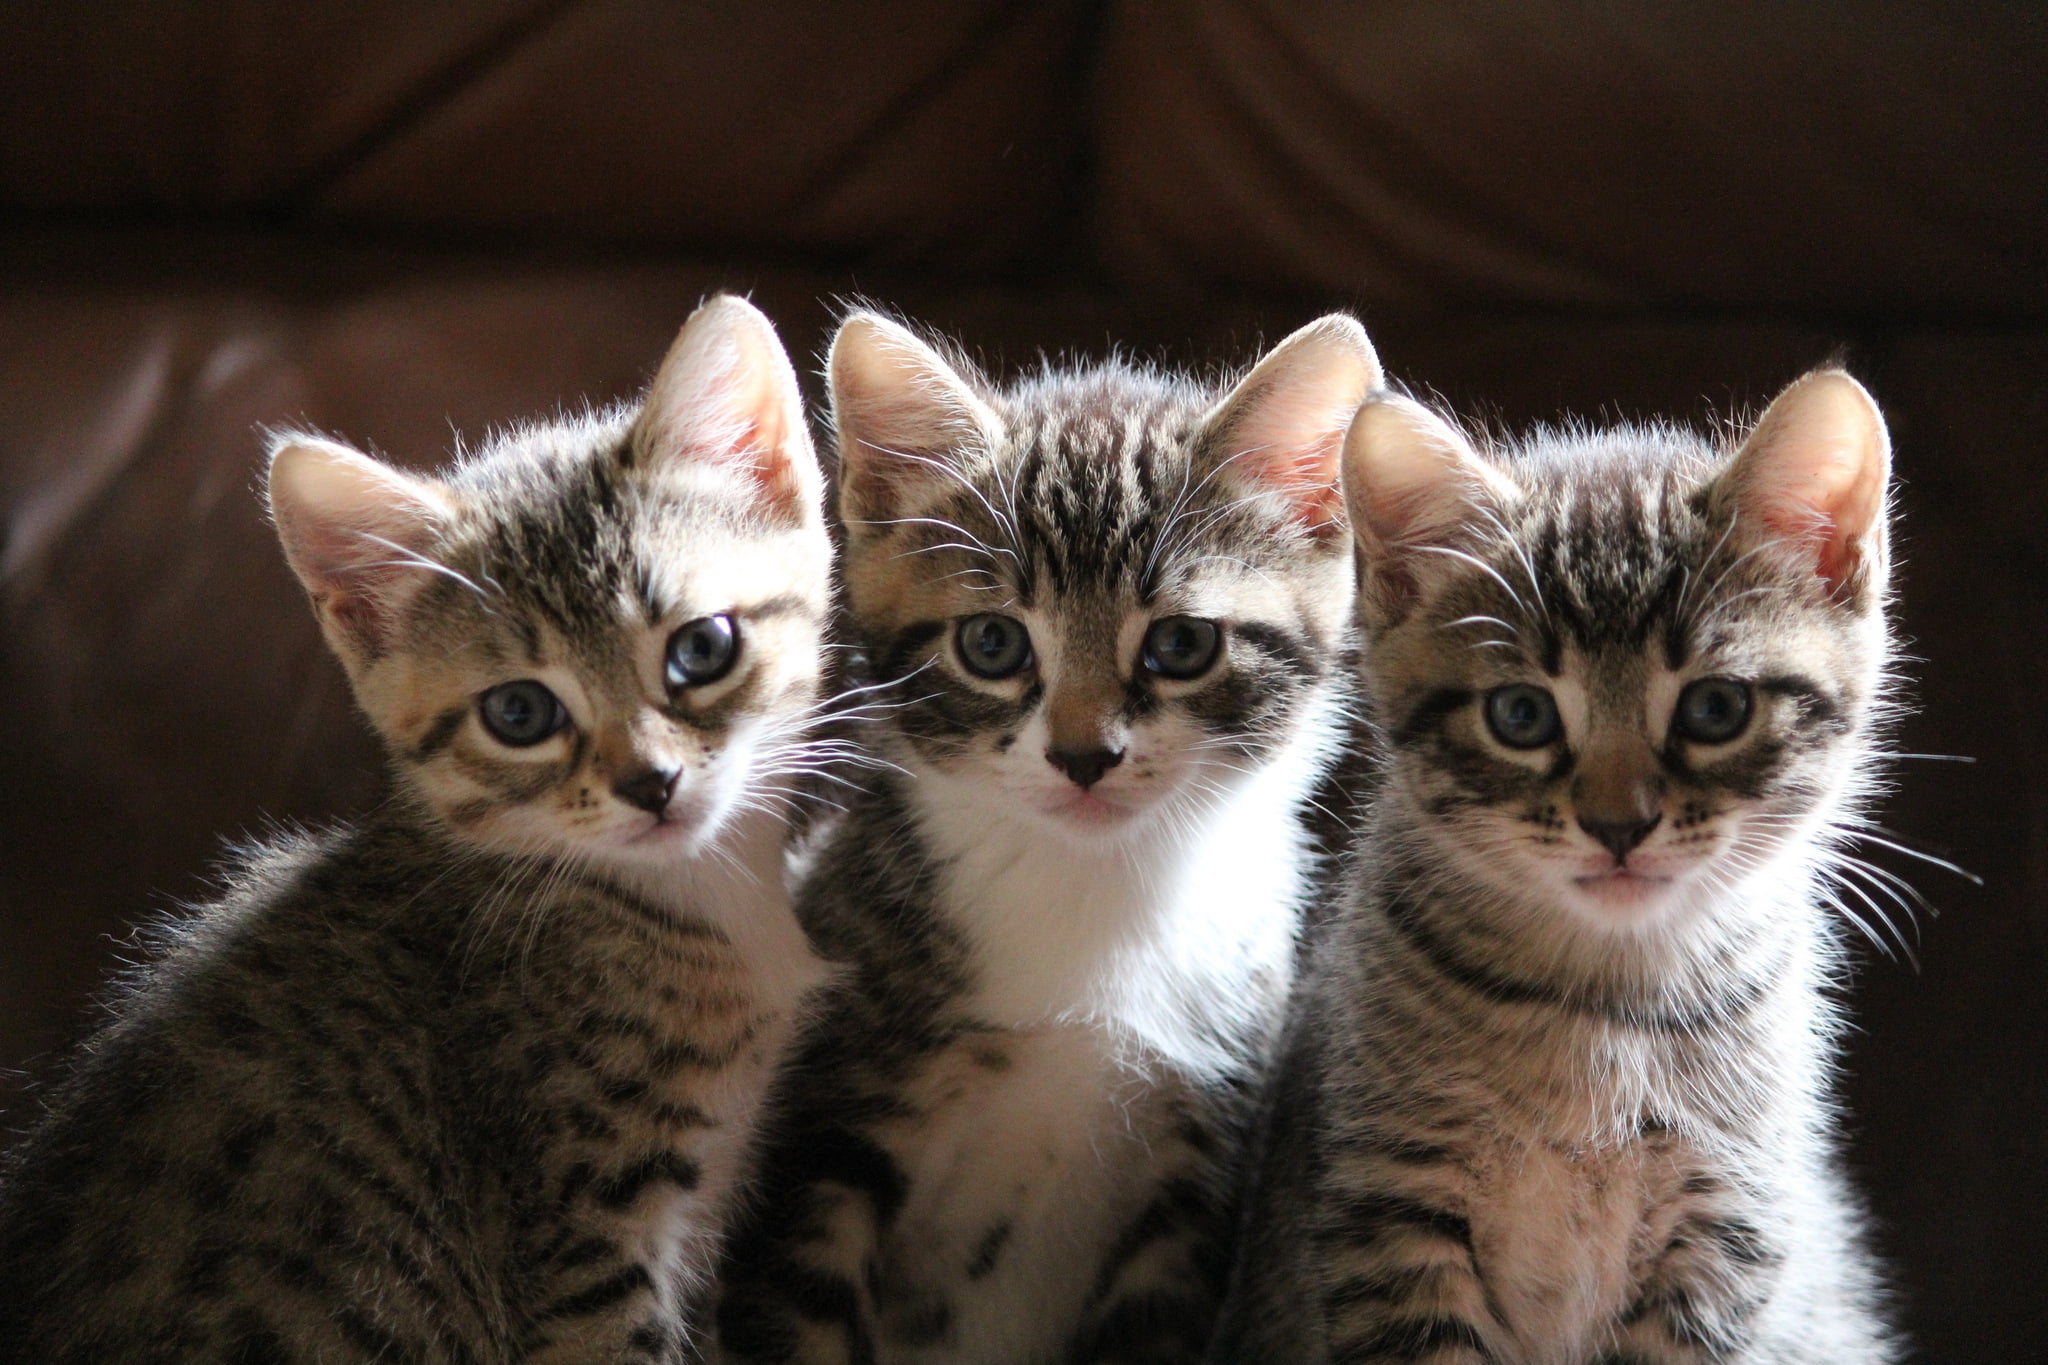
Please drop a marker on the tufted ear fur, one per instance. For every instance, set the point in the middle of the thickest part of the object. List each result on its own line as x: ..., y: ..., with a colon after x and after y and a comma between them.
x: 1281, y: 430
x: 726, y: 396
x: 1412, y: 483
x: 1815, y: 473
x: 906, y: 418
x: 355, y: 531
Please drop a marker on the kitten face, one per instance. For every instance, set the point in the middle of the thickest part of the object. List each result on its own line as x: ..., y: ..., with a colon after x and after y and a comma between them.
x: 1095, y: 703
x: 1629, y: 672
x: 1105, y: 595
x: 659, y: 665
x: 599, y: 638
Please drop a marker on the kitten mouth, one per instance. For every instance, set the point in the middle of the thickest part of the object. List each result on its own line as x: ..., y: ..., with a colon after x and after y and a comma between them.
x: 682, y: 821
x: 661, y: 829
x: 1090, y: 810
x: 1621, y: 886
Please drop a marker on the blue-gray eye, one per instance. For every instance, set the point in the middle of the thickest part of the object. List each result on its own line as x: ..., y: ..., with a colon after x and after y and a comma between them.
x: 993, y: 646
x: 1182, y: 647
x: 1712, y: 710
x: 702, y: 651
x: 521, y: 713
x: 1522, y: 716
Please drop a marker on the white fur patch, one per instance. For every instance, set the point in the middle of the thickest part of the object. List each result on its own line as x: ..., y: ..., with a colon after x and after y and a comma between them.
x: 1176, y: 936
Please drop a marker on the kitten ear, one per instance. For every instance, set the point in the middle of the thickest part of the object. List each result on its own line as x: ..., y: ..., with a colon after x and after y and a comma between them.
x: 355, y: 531
x: 906, y: 419
x: 1815, y: 472
x: 726, y: 396
x: 1412, y: 483
x: 1281, y: 430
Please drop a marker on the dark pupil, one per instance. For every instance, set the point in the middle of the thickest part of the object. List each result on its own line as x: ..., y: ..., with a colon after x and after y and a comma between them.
x: 993, y: 646
x: 1714, y: 710
x: 991, y: 642
x: 1522, y: 716
x: 701, y: 651
x: 1181, y: 646
x: 520, y: 712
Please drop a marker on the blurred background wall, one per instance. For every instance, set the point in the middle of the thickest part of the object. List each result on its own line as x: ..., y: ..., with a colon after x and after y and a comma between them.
x: 397, y: 221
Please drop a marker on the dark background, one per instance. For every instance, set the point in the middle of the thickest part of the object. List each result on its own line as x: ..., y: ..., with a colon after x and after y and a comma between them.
x: 394, y: 220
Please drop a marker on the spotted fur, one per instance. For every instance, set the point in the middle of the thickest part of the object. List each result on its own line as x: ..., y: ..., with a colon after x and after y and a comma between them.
x: 1013, y: 1132
x: 473, y: 1079
x: 1557, y: 1089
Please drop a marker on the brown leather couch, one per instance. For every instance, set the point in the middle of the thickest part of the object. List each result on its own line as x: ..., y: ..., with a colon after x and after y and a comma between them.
x: 394, y: 220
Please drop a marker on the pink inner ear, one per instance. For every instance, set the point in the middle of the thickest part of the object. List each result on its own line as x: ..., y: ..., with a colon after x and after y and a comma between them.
x: 1814, y: 473
x: 746, y: 436
x: 1274, y: 458
x: 1826, y: 513
x: 354, y: 575
x: 767, y: 458
x: 1790, y: 519
x: 1841, y: 552
x: 1838, y: 561
x: 1308, y: 476
x: 725, y: 396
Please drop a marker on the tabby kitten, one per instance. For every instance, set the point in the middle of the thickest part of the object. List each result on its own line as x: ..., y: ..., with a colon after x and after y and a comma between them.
x: 1104, y: 608
x: 472, y: 1079
x: 1558, y: 1091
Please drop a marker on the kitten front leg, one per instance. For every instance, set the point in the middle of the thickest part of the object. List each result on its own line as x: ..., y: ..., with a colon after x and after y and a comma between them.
x: 1698, y: 1302
x: 1400, y: 1280
x: 1156, y: 1293
x: 803, y: 1295
x: 613, y: 1275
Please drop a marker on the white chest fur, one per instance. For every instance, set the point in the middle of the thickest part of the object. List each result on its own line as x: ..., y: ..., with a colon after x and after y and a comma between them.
x: 1117, y: 977
x: 1022, y: 1180
x: 1175, y: 941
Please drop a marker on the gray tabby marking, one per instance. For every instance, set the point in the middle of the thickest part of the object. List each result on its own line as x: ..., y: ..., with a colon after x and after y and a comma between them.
x: 1557, y: 1086
x: 472, y: 1080
x: 1106, y: 608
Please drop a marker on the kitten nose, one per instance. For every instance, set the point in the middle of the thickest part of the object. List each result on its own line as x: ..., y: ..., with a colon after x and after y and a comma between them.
x: 649, y: 789
x: 1621, y: 836
x: 1084, y: 766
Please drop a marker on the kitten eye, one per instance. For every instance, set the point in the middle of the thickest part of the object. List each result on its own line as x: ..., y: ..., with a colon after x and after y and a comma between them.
x: 993, y: 646
x: 1182, y: 647
x: 522, y: 713
x: 1712, y: 710
x: 1522, y: 716
x: 702, y: 651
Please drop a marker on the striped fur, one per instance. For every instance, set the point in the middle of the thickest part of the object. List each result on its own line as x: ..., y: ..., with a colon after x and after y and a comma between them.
x: 1013, y: 1132
x: 473, y: 1080
x: 1557, y: 1085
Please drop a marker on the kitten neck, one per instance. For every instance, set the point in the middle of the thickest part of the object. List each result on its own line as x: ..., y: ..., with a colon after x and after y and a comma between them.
x: 739, y: 885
